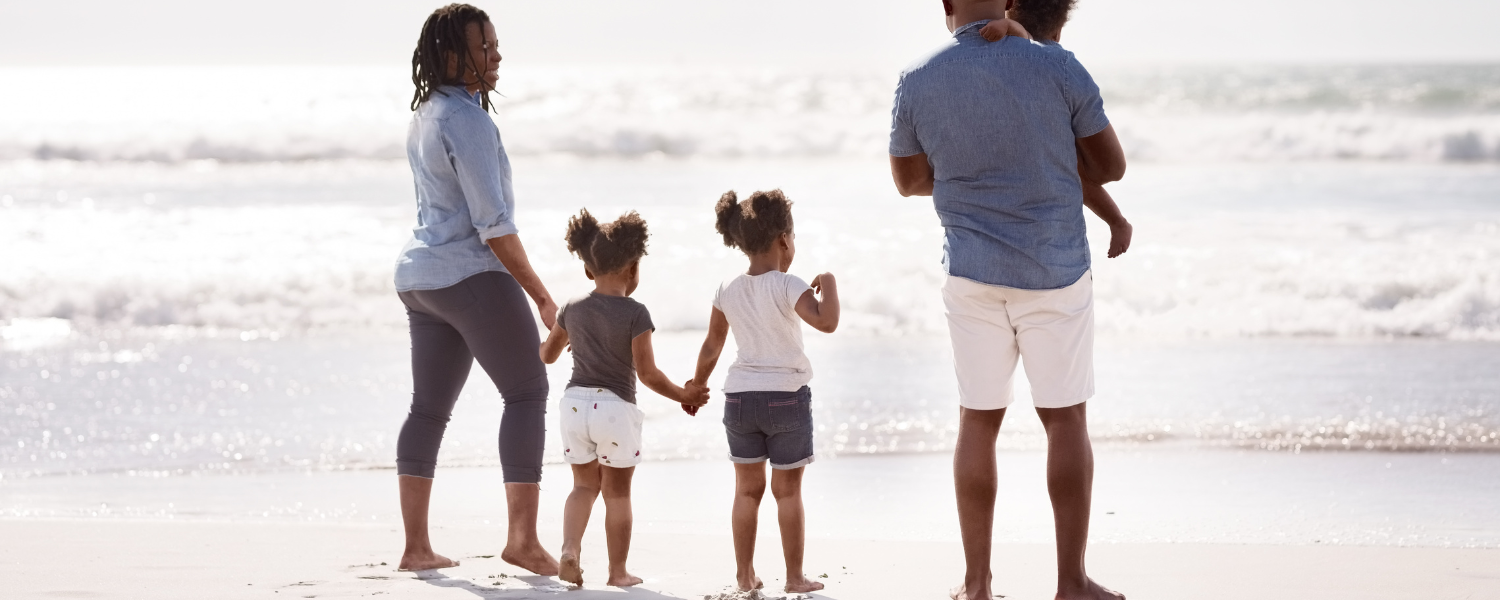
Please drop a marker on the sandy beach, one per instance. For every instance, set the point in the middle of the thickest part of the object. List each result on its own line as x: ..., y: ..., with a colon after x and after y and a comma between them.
x: 1168, y: 524
x: 143, y: 559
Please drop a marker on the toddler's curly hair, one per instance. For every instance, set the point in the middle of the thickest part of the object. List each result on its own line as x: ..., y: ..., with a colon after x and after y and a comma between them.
x: 753, y: 225
x: 1043, y: 17
x: 610, y: 247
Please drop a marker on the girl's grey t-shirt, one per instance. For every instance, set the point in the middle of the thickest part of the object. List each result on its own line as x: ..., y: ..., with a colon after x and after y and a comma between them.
x: 600, y: 329
x: 762, y: 313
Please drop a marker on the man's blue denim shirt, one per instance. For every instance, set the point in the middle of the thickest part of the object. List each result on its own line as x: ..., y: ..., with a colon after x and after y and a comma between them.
x: 463, y: 192
x: 998, y: 122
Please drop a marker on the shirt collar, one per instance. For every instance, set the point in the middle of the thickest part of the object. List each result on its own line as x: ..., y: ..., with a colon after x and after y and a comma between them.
x: 459, y: 91
x: 975, y: 26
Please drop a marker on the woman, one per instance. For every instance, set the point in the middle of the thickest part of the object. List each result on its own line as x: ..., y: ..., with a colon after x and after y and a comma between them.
x: 464, y: 278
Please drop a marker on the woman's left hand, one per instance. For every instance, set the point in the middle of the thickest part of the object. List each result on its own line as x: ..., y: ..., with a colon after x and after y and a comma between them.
x: 548, y: 310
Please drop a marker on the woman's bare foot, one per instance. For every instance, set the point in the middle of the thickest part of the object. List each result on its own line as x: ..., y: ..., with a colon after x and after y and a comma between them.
x: 623, y: 579
x: 802, y: 585
x: 422, y: 561
x: 532, y: 558
x: 569, y: 571
x: 1090, y: 591
x: 753, y: 583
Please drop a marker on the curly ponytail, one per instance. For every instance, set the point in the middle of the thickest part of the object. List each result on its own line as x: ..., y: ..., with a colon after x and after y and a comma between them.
x: 610, y: 247
x: 754, y: 224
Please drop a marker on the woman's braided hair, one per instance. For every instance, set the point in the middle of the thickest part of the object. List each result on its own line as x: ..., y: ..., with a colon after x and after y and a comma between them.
x: 754, y: 224
x: 610, y: 247
x: 446, y: 34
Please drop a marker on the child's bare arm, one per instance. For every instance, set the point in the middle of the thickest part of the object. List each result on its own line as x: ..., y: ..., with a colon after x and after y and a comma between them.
x: 713, y: 347
x: 823, y: 314
x: 998, y: 29
x: 645, y: 368
x: 1098, y: 200
x: 552, y: 348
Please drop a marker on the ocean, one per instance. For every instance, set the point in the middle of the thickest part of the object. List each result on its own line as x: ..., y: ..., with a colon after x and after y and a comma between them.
x: 199, y: 260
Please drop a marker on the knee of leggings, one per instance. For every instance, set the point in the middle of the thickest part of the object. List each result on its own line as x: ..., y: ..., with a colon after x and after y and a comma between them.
x: 535, y: 390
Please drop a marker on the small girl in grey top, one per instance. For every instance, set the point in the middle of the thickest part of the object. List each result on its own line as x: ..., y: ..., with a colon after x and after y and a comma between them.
x: 767, y: 404
x: 610, y: 335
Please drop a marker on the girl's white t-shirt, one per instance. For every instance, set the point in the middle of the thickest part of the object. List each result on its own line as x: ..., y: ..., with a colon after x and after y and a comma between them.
x: 762, y: 313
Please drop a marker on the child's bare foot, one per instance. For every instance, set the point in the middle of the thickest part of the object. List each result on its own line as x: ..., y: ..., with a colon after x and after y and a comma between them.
x: 962, y: 593
x: 569, y: 571
x: 623, y: 579
x: 533, y: 558
x: 751, y: 583
x: 422, y: 561
x: 802, y: 585
x: 1090, y: 591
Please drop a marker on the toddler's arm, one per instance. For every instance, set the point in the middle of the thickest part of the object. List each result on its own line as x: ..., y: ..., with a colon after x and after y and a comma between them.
x: 1099, y: 201
x: 556, y: 340
x: 823, y: 314
x: 708, y: 357
x: 997, y: 29
x: 645, y: 369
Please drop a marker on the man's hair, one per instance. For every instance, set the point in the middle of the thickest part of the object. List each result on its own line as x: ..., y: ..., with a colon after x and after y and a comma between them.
x: 446, y: 33
x: 610, y: 247
x: 753, y: 225
x: 1043, y: 17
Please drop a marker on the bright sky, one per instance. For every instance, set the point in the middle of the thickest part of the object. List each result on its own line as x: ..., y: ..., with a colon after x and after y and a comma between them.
x: 884, y: 33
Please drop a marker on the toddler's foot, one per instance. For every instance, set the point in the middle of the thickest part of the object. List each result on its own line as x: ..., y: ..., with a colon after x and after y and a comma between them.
x: 569, y: 570
x: 623, y: 579
x: 425, y: 561
x: 751, y: 583
x: 802, y: 585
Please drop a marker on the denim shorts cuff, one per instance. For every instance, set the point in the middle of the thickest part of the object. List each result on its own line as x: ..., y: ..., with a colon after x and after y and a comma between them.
x: 747, y: 461
x: 801, y: 463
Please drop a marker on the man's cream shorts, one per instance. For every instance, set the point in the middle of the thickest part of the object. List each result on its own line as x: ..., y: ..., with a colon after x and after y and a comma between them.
x: 993, y: 326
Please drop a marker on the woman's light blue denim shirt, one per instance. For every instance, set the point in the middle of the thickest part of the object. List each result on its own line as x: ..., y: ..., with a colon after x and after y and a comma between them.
x: 463, y: 192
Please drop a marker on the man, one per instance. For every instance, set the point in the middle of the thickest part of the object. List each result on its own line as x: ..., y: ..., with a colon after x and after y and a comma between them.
x: 1002, y: 135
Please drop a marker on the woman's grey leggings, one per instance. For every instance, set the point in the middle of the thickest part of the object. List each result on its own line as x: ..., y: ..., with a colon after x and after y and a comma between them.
x: 484, y: 317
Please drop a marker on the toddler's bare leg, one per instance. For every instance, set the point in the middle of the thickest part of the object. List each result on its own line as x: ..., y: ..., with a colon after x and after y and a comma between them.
x: 749, y: 488
x: 586, y: 483
x: 786, y: 486
x: 617, y: 523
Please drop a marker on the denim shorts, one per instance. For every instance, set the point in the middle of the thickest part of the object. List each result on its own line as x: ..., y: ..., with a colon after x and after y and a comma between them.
x: 770, y: 425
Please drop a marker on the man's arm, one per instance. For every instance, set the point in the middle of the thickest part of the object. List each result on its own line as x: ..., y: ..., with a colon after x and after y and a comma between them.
x: 1100, y: 158
x: 913, y: 175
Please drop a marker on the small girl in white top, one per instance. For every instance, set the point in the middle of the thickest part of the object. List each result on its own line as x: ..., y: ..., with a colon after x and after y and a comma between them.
x: 767, y: 404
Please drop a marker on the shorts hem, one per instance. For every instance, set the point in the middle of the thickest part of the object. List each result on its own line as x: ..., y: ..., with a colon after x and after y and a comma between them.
x: 1071, y: 403
x: 796, y: 465
x: 748, y: 461
x: 986, y: 405
x: 576, y: 461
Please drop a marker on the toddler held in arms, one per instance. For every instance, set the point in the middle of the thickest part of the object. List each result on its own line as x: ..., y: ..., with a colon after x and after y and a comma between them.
x: 767, y: 404
x: 610, y: 335
x: 1046, y: 18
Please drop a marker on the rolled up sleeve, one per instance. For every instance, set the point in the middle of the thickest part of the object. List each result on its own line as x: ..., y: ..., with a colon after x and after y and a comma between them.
x: 904, y: 140
x: 1084, y: 101
x: 483, y: 173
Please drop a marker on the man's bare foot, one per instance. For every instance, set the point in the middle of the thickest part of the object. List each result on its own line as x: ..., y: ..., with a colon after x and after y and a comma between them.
x: 569, y: 571
x: 802, y: 585
x: 962, y: 593
x: 423, y: 561
x: 534, y: 559
x: 1091, y: 591
x: 754, y: 583
x: 623, y: 579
